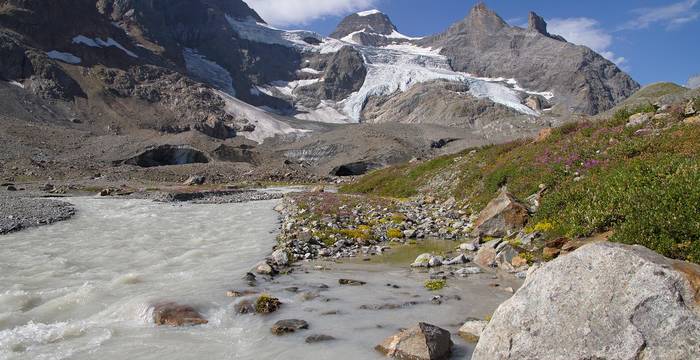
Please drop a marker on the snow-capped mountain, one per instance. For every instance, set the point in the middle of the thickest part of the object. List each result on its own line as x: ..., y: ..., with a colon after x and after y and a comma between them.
x: 366, y: 71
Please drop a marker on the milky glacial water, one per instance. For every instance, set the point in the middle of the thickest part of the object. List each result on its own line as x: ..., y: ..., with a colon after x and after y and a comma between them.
x: 84, y: 289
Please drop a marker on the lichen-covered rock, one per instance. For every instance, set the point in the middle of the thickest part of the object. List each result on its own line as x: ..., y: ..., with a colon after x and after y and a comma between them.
x: 421, y: 342
x: 502, y: 216
x: 288, y: 326
x: 603, y: 301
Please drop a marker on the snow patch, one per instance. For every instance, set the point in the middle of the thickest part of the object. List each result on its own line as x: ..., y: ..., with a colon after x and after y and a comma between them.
x: 18, y: 84
x: 325, y: 113
x: 208, y: 71
x: 369, y: 12
x: 64, y: 56
x: 266, y: 125
x: 310, y: 71
x: 288, y: 87
x: 252, y: 30
x: 99, y: 43
x: 397, y: 35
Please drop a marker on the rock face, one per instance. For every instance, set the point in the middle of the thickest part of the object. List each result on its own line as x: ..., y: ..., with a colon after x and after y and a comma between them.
x: 502, y: 216
x: 582, y: 80
x: 421, y: 342
x: 603, y: 301
x: 371, y: 21
x: 176, y: 315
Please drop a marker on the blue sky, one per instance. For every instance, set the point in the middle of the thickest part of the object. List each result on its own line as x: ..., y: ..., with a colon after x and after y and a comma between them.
x: 653, y: 40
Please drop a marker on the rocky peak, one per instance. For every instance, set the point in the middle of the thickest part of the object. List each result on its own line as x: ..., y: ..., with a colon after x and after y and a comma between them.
x: 483, y: 18
x: 371, y: 21
x: 537, y: 24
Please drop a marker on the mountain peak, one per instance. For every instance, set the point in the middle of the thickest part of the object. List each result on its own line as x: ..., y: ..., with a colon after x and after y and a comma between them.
x: 481, y: 17
x: 370, y: 21
x: 537, y: 24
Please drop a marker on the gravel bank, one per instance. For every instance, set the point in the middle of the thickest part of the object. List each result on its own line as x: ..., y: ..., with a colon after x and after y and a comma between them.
x: 17, y: 213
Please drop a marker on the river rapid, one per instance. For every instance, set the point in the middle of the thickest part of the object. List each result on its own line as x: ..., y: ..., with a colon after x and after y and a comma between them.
x: 84, y: 289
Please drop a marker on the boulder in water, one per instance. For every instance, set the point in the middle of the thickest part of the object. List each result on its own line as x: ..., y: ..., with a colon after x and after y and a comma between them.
x: 288, y: 326
x: 421, y: 342
x: 173, y: 314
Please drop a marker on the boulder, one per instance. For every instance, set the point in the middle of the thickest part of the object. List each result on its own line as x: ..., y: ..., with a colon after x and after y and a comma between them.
x: 263, y: 268
x: 486, y: 256
x: 502, y: 216
x: 351, y: 282
x: 421, y: 342
x: 471, y: 270
x: 244, y: 307
x: 288, y: 326
x: 173, y: 314
x: 472, y: 329
x: 602, y: 301
x: 195, y: 180
x: 504, y: 257
x: 639, y: 119
x: 457, y: 260
x: 690, y: 108
x: 423, y: 260
x: 280, y: 257
x: 312, y: 339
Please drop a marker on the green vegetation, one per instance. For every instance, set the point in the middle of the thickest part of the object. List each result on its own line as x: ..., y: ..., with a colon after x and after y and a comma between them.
x: 435, y: 285
x: 394, y: 233
x: 266, y: 304
x: 600, y: 176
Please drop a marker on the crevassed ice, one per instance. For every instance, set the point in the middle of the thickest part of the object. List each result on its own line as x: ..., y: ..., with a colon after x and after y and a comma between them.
x: 398, y: 67
x: 391, y: 68
x: 208, y: 71
x: 99, y: 43
x: 64, y: 56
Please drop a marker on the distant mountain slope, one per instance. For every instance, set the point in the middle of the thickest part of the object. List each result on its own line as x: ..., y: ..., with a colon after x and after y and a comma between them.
x: 582, y: 81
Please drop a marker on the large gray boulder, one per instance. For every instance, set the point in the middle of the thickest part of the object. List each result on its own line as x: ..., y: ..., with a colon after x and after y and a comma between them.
x: 603, y: 301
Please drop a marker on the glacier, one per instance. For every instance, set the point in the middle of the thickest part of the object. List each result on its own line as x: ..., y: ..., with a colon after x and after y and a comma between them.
x: 208, y: 71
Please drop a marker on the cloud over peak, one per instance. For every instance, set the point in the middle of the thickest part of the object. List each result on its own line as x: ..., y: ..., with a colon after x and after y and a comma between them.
x: 299, y: 12
x: 587, y: 32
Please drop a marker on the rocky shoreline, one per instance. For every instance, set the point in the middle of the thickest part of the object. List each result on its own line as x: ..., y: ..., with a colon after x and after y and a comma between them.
x: 20, y: 213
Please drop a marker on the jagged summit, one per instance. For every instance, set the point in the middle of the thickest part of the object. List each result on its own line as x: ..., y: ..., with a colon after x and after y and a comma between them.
x: 537, y: 24
x: 481, y: 17
x: 371, y: 22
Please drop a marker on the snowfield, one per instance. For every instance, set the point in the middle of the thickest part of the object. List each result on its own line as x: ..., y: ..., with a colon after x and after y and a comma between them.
x: 266, y: 125
x: 208, y: 71
x: 64, y: 56
x: 99, y: 43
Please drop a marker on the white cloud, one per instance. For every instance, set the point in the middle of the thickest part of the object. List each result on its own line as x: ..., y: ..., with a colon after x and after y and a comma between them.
x: 671, y: 16
x: 587, y: 32
x: 300, y: 12
x: 694, y: 82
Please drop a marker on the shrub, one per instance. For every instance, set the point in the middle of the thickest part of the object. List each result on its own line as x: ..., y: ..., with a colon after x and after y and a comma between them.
x: 394, y: 233
x: 266, y: 304
x: 653, y: 202
x: 435, y: 285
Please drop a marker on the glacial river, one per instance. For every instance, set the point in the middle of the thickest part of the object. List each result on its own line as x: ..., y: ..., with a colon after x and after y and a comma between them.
x: 84, y: 289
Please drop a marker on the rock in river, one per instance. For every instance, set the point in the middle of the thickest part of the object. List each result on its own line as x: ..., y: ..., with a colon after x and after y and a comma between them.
x: 172, y: 314
x: 288, y: 326
x: 602, y: 301
x: 351, y: 282
x: 421, y: 342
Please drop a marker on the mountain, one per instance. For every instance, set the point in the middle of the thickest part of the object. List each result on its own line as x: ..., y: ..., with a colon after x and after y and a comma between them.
x: 581, y: 80
x: 113, y: 82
